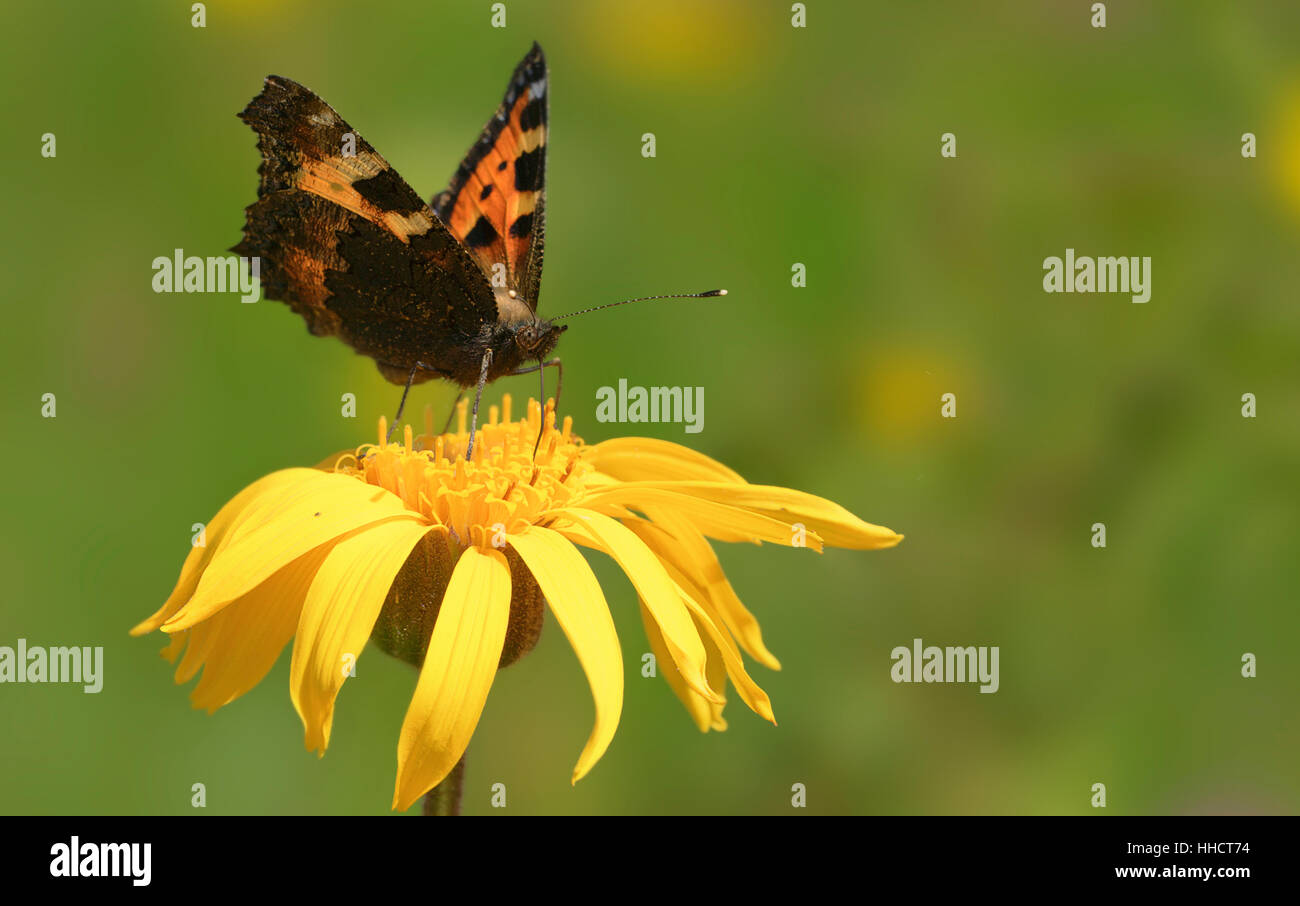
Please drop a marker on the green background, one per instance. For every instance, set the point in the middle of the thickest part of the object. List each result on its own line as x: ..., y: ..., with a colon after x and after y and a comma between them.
x: 776, y: 145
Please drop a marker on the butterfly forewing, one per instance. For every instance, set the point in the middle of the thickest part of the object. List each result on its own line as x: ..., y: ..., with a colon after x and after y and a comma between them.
x: 495, y: 202
x: 350, y: 246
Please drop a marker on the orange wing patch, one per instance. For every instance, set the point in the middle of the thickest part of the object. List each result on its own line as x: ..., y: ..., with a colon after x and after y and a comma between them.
x: 495, y: 200
x: 307, y: 146
x: 335, y: 180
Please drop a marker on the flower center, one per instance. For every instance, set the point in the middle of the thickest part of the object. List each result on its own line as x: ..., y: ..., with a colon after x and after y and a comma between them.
x: 503, y: 489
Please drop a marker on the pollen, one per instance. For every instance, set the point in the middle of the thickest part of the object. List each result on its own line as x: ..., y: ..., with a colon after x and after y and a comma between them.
x: 504, y: 488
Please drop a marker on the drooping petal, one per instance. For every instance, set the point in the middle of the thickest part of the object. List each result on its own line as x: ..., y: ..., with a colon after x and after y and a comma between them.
x: 833, y: 523
x: 750, y: 692
x: 338, y: 614
x: 647, y: 459
x: 196, y: 654
x: 722, y: 653
x: 305, y: 509
x: 175, y: 646
x: 575, y: 598
x: 197, y: 560
x: 678, y: 542
x: 717, y: 520
x: 248, y: 635
x: 697, y: 706
x: 717, y: 671
x: 457, y: 674
x: 652, y: 584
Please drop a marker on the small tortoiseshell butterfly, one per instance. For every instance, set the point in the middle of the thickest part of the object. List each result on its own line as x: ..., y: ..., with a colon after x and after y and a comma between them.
x: 446, y: 289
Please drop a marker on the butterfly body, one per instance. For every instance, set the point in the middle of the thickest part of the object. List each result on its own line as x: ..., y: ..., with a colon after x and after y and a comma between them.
x: 427, y: 290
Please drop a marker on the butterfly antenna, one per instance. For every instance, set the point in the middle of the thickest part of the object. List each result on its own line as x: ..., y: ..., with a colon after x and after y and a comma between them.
x: 704, y: 295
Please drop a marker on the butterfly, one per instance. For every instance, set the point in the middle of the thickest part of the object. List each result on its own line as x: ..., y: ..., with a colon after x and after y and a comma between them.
x: 446, y: 289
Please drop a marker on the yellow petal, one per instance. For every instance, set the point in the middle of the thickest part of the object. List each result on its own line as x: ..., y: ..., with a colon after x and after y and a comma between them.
x: 338, y: 614
x: 196, y: 654
x: 647, y: 459
x: 175, y: 645
x: 197, y: 560
x: 831, y: 522
x: 575, y: 598
x: 697, y: 706
x: 750, y: 692
x: 717, y: 670
x: 717, y: 520
x: 458, y: 670
x: 304, y: 509
x: 652, y: 584
x: 250, y: 633
x: 678, y: 542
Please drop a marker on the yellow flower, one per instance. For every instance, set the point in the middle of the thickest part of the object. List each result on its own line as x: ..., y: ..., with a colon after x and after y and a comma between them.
x: 446, y: 564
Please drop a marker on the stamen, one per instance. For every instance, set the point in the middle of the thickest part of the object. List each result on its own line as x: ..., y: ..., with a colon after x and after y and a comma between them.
x: 568, y: 469
x: 509, y: 467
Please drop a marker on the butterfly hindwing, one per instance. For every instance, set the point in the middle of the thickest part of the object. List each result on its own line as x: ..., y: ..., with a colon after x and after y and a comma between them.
x: 495, y: 203
x: 350, y: 246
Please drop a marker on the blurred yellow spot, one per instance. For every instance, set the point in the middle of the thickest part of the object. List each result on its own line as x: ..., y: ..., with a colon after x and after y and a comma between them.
x: 255, y: 10
x: 1285, y: 156
x: 900, y: 394
x: 680, y: 40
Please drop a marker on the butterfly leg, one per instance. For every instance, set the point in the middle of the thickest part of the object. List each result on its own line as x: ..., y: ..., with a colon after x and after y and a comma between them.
x: 559, y: 376
x: 478, y: 395
x: 402, y: 403
x: 452, y: 414
x: 541, y: 367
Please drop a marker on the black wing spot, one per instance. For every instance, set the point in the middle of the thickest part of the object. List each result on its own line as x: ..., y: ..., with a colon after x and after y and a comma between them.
x: 533, y: 115
x: 487, y: 190
x: 386, y: 191
x: 501, y: 166
x: 482, y: 234
x: 522, y: 227
x: 528, y: 170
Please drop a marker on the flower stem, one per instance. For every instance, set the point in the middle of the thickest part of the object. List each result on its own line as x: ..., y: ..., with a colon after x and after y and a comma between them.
x: 444, y: 799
